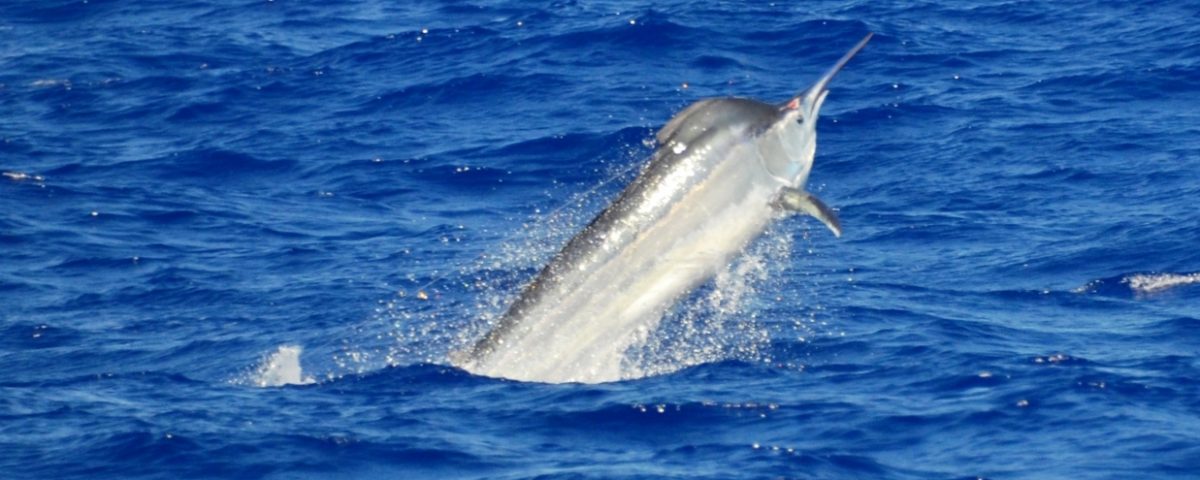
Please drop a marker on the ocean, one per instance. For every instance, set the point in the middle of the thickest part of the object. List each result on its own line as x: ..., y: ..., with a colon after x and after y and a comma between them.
x: 240, y: 239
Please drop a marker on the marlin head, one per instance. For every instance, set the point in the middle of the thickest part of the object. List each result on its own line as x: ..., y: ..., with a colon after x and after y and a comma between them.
x: 806, y: 105
x: 793, y: 126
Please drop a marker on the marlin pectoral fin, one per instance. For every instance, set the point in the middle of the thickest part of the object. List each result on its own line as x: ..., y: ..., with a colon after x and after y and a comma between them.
x: 801, y: 201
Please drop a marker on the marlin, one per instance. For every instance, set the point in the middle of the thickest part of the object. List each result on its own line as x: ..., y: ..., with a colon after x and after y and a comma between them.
x: 723, y: 170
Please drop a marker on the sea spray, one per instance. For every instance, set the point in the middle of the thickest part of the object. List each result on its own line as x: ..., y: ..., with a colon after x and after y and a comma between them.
x: 281, y: 367
x: 720, y: 321
x: 427, y: 318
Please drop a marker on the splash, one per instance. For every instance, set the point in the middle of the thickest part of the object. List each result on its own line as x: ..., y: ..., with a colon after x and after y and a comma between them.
x: 721, y: 321
x: 435, y: 311
x: 281, y: 368
x: 427, y: 321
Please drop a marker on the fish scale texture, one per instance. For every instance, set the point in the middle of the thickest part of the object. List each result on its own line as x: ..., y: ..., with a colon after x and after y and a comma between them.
x: 238, y: 240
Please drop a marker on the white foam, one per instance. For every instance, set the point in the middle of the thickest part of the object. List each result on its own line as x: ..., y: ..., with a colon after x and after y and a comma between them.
x: 1156, y: 282
x: 22, y: 176
x: 281, y: 368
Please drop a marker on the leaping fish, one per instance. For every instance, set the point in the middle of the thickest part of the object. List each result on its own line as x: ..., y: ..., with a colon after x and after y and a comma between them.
x: 723, y: 169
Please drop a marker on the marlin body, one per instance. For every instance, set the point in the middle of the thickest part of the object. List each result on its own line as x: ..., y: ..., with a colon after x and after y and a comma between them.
x: 723, y: 170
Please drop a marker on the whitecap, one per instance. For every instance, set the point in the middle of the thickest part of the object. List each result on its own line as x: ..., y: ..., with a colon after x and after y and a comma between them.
x: 1157, y: 282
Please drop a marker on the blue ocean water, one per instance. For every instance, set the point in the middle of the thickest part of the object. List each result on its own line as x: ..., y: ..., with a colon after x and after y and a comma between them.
x: 197, y: 196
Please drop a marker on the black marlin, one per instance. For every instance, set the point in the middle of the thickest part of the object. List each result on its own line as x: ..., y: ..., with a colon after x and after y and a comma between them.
x: 722, y: 170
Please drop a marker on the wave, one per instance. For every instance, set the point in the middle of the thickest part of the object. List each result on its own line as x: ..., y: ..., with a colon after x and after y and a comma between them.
x: 35, y: 336
x: 210, y: 166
